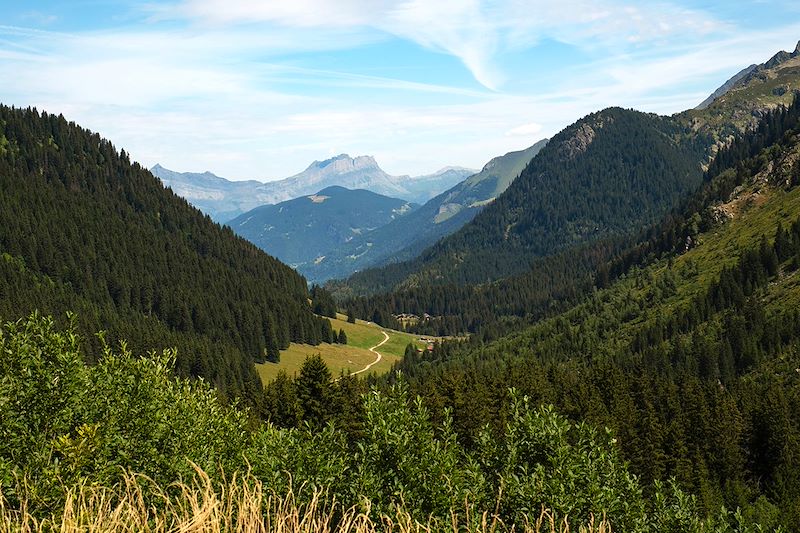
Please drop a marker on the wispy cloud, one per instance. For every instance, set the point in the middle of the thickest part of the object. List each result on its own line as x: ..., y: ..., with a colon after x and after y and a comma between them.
x: 324, y: 77
x: 254, y: 89
x: 474, y: 31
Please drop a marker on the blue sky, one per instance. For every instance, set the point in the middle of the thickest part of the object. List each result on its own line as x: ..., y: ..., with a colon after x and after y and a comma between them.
x: 257, y: 89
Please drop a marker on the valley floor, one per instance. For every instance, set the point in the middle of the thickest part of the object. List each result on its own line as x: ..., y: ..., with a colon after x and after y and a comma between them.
x: 353, y: 357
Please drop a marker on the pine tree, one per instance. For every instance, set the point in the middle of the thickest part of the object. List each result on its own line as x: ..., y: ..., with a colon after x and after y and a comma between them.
x: 314, y: 391
x: 281, y: 401
x: 342, y: 339
x: 272, y: 351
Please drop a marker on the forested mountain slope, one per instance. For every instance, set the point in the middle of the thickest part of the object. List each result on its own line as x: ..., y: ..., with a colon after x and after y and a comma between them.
x: 744, y: 112
x: 558, y: 281
x: 125, y: 446
x: 608, y: 174
x: 405, y: 238
x: 304, y: 231
x: 83, y: 229
x: 690, y: 355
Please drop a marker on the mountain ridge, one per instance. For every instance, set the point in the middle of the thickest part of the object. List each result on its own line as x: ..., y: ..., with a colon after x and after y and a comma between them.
x: 406, y: 237
x: 304, y: 230
x: 740, y: 106
x: 608, y: 172
x: 225, y: 200
x: 742, y: 103
x: 725, y: 87
x: 701, y: 336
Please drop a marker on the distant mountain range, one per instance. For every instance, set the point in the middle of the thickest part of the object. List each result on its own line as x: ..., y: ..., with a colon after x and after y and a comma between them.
x: 224, y: 200
x: 304, y: 230
x: 406, y: 237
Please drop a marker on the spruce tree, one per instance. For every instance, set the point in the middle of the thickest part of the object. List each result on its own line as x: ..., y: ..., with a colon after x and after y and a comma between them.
x: 314, y: 391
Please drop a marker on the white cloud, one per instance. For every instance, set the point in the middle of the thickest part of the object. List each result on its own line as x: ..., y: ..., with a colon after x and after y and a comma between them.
x: 460, y: 28
x: 212, y: 95
x: 525, y: 130
x: 298, y: 13
x: 474, y: 31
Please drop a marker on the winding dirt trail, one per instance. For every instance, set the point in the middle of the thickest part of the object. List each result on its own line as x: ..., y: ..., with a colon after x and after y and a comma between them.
x: 373, y: 350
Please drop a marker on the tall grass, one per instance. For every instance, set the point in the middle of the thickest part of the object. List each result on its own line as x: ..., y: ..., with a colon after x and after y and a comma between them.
x: 242, y: 505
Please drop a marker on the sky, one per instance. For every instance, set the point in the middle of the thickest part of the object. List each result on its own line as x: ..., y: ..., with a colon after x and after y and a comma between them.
x: 258, y: 89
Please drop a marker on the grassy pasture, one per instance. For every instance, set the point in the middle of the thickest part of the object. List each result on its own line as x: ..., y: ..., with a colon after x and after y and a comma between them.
x: 351, y: 357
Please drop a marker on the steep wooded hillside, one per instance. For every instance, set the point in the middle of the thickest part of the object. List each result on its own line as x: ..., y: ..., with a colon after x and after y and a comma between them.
x: 83, y: 229
x: 609, y: 174
x: 690, y: 355
x: 303, y: 232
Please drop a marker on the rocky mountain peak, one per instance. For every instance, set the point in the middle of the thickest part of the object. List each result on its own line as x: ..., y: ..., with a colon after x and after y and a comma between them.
x: 344, y: 163
x: 782, y: 57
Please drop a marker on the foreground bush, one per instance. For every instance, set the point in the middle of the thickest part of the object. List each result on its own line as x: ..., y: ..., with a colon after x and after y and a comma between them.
x: 71, y: 434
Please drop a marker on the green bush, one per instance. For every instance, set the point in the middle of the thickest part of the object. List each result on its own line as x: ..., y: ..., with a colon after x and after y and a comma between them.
x: 64, y: 425
x: 546, y: 461
x: 404, y: 460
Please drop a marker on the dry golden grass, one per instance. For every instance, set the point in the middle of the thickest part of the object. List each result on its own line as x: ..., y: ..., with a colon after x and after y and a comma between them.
x: 241, y: 505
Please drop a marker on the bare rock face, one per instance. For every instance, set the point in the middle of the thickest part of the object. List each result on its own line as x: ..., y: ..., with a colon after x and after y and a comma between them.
x: 583, y: 136
x: 775, y: 174
x: 578, y: 143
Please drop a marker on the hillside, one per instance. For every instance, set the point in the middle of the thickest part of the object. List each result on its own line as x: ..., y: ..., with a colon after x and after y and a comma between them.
x: 224, y: 200
x: 746, y: 98
x: 558, y: 281
x: 725, y: 87
x: 83, y: 229
x: 407, y: 237
x: 193, y: 463
x: 304, y: 231
x: 534, y: 235
x: 608, y: 174
x: 690, y: 355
